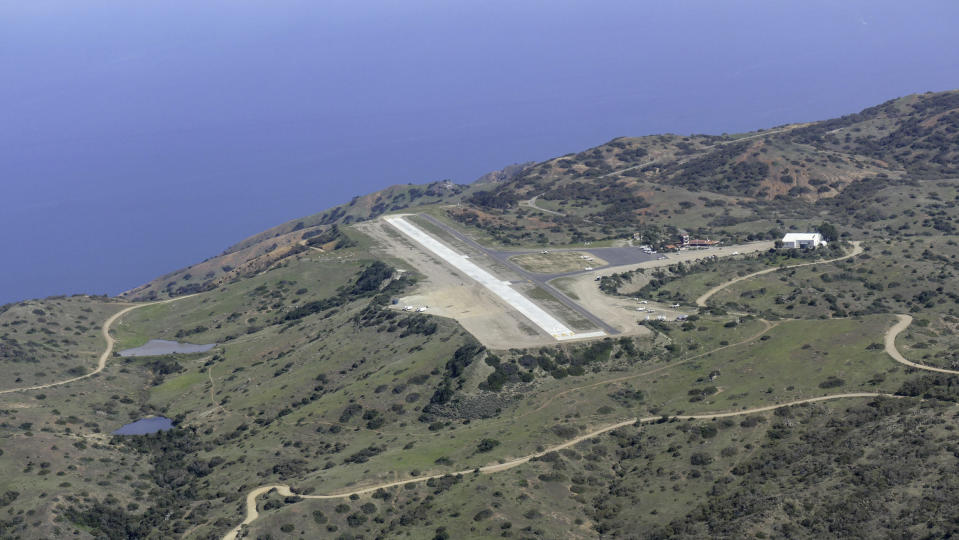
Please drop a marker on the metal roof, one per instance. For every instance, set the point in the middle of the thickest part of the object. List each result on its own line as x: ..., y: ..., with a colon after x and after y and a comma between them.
x: 792, y: 237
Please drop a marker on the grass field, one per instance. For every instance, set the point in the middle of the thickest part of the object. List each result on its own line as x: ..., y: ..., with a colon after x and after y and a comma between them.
x: 53, y: 339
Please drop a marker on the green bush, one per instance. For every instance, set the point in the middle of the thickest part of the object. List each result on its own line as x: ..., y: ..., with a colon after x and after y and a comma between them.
x: 486, y: 445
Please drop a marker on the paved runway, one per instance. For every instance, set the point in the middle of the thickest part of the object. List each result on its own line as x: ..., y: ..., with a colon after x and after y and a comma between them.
x: 500, y: 288
x: 541, y: 280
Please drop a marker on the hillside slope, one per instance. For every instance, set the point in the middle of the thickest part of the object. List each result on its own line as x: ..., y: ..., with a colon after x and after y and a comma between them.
x: 790, y: 172
x: 798, y: 401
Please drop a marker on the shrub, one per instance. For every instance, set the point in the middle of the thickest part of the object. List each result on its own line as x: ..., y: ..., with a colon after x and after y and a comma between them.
x: 700, y: 458
x: 486, y: 445
x: 355, y: 519
x: 8, y: 497
x: 483, y: 514
x: 564, y: 431
x: 708, y: 431
x: 832, y: 382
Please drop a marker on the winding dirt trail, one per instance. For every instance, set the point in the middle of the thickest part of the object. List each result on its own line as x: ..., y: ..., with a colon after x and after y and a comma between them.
x: 890, y: 344
x: 891, y: 350
x: 701, y: 301
x: 107, y: 351
x: 532, y: 204
x: 252, y: 514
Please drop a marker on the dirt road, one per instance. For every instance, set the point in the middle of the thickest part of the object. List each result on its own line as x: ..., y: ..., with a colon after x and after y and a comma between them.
x: 108, y: 350
x: 620, y: 312
x: 891, y: 350
x: 532, y: 204
x: 701, y: 301
x: 284, y: 490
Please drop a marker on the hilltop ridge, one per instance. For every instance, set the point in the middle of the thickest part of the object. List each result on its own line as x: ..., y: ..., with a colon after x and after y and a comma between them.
x: 655, y: 185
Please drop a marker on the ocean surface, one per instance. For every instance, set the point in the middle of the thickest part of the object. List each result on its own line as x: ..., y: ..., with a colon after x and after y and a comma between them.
x: 138, y: 138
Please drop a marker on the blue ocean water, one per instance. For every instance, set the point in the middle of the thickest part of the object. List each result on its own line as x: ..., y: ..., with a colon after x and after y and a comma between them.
x: 138, y: 138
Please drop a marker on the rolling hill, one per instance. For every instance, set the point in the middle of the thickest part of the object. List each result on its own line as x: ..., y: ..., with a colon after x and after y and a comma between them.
x: 799, y: 395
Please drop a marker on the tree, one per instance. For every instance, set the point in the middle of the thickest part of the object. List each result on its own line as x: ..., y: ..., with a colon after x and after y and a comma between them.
x: 828, y: 232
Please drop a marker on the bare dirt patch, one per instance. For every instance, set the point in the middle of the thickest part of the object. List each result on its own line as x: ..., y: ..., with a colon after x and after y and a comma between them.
x: 619, y: 313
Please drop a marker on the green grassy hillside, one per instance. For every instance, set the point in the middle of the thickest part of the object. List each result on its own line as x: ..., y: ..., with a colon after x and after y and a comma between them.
x: 774, y: 411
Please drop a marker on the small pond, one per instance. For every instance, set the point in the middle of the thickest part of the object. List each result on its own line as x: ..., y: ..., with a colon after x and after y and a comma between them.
x: 158, y: 347
x: 145, y: 426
